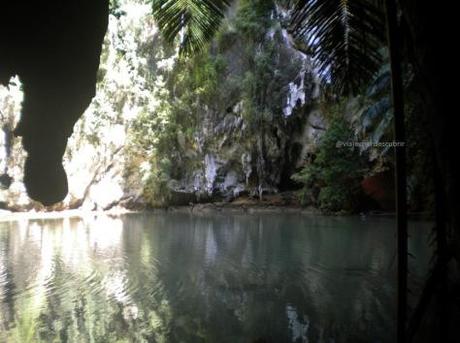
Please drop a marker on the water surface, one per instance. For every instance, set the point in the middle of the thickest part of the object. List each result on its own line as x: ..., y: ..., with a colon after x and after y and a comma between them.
x: 215, y: 278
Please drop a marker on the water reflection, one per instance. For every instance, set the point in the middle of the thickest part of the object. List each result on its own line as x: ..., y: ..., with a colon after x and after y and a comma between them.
x: 183, y: 278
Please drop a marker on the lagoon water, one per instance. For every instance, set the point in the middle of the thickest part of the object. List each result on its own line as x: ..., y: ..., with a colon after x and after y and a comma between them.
x: 172, y: 277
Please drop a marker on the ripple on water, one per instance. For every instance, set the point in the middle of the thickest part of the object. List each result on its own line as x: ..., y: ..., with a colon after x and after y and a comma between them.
x: 188, y: 279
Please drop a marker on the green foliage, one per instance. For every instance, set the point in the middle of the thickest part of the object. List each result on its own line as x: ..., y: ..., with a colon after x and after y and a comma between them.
x: 262, y: 83
x: 114, y: 8
x: 259, y: 93
x: 156, y: 190
x: 254, y: 18
x: 196, y: 20
x: 332, y: 179
x: 373, y: 118
x: 167, y: 135
x: 344, y: 38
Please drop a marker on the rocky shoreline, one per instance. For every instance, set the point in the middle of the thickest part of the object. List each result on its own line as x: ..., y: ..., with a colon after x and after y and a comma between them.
x: 275, y: 203
x: 195, y: 209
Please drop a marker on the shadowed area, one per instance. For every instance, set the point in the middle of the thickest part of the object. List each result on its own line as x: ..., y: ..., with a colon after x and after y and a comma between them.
x: 54, y: 47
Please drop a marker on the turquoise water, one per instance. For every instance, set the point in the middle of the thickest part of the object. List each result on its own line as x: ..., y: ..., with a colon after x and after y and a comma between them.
x: 187, y: 278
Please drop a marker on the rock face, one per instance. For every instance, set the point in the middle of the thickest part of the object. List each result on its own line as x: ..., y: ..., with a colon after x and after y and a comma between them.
x: 94, y: 159
x: 231, y: 157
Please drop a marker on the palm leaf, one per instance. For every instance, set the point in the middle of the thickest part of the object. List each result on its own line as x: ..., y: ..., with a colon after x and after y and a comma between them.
x: 194, y: 21
x: 343, y: 37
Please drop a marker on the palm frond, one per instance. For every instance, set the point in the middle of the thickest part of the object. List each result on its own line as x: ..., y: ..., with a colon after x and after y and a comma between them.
x: 344, y: 38
x: 194, y: 21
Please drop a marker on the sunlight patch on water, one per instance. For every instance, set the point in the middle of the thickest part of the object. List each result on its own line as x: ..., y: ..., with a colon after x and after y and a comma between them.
x: 297, y: 325
x: 106, y: 233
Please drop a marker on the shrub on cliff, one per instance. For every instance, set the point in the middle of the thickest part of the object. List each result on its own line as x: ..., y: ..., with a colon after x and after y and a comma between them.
x: 332, y: 177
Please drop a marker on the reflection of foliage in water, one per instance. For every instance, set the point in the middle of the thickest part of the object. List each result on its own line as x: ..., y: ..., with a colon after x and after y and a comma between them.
x: 173, y: 278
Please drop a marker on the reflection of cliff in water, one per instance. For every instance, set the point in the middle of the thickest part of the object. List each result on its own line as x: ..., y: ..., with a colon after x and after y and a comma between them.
x: 173, y: 278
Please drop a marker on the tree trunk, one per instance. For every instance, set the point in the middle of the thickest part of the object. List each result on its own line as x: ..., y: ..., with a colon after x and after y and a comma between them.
x: 394, y: 43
